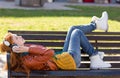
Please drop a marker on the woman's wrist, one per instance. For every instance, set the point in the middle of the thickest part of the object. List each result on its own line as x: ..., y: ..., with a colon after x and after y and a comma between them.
x: 27, y: 49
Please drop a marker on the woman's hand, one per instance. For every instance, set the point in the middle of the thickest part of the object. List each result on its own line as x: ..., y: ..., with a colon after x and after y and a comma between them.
x: 20, y: 49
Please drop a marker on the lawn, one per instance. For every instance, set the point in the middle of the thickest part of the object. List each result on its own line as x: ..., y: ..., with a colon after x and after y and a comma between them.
x: 55, y: 19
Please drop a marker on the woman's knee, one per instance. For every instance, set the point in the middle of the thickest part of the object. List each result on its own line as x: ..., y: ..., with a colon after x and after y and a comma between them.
x: 72, y: 28
x: 77, y: 31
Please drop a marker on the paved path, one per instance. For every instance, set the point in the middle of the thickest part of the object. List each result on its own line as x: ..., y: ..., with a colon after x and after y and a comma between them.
x: 49, y: 6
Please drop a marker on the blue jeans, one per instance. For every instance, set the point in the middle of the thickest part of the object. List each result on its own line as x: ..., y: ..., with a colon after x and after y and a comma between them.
x: 76, y: 39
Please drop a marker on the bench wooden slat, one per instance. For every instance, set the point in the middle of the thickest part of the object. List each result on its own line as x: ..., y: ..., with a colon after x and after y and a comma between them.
x: 59, y: 32
x: 37, y: 32
x: 107, y: 51
x: 62, y: 37
x: 43, y: 37
x: 111, y: 51
x: 106, y: 58
x: 110, y: 38
x: 106, y: 44
x: 87, y: 65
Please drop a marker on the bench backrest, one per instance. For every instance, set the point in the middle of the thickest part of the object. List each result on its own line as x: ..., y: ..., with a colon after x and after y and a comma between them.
x: 108, y: 42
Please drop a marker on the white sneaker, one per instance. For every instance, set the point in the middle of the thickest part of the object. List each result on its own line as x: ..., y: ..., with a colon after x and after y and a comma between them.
x: 94, y: 18
x: 101, y: 54
x: 102, y: 23
x: 98, y: 63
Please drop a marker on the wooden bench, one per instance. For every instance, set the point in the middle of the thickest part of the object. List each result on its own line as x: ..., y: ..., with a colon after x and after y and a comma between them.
x: 109, y: 42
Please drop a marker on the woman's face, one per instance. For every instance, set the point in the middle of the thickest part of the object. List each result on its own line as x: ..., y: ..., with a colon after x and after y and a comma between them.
x: 18, y: 39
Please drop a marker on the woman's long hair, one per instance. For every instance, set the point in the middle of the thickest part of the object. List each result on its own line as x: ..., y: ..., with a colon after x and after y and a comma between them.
x: 15, y: 60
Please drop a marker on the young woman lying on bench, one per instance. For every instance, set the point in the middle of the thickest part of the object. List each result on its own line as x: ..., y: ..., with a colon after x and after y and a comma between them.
x: 27, y: 57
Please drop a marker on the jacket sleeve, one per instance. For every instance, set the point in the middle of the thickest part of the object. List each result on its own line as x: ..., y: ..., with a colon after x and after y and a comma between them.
x: 38, y: 49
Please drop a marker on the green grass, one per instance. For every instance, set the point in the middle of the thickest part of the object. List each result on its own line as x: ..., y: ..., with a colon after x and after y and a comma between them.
x: 54, y: 19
